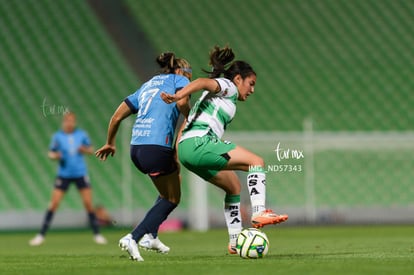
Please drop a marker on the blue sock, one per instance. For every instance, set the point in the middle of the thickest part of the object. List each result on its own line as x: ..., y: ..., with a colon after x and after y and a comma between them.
x: 46, y: 222
x: 94, y: 223
x: 155, y: 216
x: 155, y: 234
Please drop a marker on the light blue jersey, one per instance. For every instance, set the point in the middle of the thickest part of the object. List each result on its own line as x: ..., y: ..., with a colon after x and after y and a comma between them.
x: 72, y: 163
x: 156, y: 120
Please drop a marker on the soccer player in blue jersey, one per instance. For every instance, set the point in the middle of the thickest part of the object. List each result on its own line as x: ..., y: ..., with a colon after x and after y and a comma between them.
x: 152, y: 147
x: 68, y: 147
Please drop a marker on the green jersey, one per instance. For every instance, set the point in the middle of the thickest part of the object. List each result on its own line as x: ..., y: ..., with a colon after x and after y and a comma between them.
x: 213, y: 111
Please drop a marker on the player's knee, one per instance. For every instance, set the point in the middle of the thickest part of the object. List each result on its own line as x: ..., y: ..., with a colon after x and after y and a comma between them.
x: 238, y: 188
x: 234, y: 189
x: 233, y: 186
x: 257, y: 161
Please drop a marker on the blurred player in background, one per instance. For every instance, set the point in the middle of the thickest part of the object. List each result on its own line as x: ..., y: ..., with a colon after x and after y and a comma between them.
x: 152, y: 147
x: 202, y: 151
x: 68, y: 147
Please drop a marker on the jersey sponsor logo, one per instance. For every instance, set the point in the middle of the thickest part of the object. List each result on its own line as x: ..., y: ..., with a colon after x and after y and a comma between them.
x: 141, y: 124
x: 145, y: 120
x: 141, y: 133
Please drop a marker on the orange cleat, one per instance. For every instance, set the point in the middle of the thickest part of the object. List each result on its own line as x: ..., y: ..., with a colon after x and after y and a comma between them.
x: 232, y: 249
x: 267, y: 217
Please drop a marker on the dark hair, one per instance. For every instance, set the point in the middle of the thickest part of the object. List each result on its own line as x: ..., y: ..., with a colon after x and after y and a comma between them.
x: 220, y: 59
x: 167, y: 62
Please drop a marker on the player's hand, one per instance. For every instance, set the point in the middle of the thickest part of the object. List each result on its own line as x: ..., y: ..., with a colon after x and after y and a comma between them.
x: 169, y: 98
x: 55, y: 155
x: 105, y: 151
x: 86, y: 150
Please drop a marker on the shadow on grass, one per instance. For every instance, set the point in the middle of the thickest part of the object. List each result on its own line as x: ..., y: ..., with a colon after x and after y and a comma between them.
x: 312, y: 255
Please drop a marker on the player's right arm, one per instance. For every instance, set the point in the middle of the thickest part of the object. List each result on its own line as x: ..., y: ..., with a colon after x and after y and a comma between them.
x: 122, y: 112
x: 199, y: 84
x: 54, y: 155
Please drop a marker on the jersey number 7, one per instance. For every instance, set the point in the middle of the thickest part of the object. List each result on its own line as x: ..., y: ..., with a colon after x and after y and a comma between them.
x: 145, y: 100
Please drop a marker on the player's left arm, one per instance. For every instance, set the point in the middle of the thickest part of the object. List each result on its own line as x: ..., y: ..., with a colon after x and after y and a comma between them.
x: 199, y: 84
x: 86, y: 147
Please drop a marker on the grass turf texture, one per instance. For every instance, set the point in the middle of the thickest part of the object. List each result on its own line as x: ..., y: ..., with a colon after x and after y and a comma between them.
x: 294, y: 250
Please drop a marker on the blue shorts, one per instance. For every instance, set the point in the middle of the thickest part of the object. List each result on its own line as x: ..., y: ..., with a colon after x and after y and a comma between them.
x: 154, y: 160
x: 64, y: 183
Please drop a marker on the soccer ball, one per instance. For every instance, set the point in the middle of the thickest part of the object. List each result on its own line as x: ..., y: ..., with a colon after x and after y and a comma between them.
x: 252, y: 244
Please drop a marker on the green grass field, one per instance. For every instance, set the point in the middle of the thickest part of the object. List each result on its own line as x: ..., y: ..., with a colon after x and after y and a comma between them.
x: 294, y: 250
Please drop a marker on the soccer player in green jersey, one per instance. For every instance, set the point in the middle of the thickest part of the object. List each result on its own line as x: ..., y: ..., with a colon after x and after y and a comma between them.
x: 202, y: 151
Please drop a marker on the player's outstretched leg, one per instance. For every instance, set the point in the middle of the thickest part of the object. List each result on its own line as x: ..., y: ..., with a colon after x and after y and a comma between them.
x: 242, y: 159
x: 256, y: 183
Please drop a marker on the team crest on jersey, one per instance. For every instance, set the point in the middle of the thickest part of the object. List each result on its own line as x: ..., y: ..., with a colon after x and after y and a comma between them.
x: 226, y: 91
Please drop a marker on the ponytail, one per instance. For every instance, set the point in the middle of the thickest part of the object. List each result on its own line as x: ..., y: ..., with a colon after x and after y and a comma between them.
x: 220, y: 59
x: 167, y: 62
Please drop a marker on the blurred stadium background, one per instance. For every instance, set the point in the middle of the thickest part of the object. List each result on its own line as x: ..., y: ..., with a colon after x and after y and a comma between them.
x: 335, y: 80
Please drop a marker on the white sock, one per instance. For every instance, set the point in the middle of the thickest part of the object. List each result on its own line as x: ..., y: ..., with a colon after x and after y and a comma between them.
x: 256, y: 183
x: 233, y: 217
